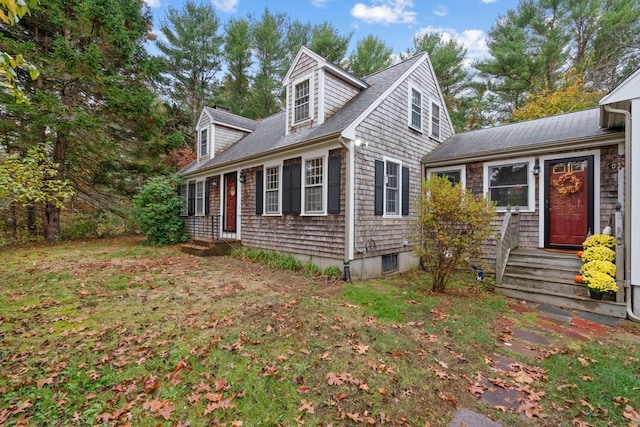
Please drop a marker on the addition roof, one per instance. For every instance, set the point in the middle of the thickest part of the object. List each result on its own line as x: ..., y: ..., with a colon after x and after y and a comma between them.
x: 537, y: 135
x: 270, y: 136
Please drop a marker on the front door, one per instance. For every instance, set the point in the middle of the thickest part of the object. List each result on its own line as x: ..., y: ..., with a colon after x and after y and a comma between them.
x: 568, y: 202
x: 230, y: 202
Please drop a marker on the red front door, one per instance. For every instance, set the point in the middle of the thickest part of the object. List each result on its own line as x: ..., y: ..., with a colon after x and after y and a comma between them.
x: 230, y: 202
x: 569, y: 201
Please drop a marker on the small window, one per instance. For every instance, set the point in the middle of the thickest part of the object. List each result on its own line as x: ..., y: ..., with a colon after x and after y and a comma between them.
x: 272, y: 190
x: 455, y: 174
x: 200, y: 198
x: 184, y: 196
x: 314, y: 184
x: 301, y: 101
x: 204, y: 143
x: 435, y: 120
x: 509, y: 184
x: 415, y: 119
x: 392, y: 188
x: 389, y: 263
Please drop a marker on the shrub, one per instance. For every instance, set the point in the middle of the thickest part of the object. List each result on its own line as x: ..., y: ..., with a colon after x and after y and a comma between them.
x: 156, y: 210
x: 605, y: 267
x: 598, y: 253
x: 450, y: 228
x: 600, y: 240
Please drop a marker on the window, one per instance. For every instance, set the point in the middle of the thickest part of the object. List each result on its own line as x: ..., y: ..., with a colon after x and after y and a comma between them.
x: 184, y: 196
x: 313, y: 185
x: 204, y: 144
x: 435, y: 120
x: 200, y: 198
x: 415, y: 110
x: 507, y: 184
x: 455, y: 174
x: 392, y: 188
x: 272, y: 190
x: 389, y: 263
x: 301, y: 101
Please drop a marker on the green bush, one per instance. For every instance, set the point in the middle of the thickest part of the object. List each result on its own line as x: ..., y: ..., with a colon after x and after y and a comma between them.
x: 156, y: 210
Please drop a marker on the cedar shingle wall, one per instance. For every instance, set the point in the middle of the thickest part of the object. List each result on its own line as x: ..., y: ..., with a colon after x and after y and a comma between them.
x: 337, y: 94
x: 225, y: 137
x: 305, y: 67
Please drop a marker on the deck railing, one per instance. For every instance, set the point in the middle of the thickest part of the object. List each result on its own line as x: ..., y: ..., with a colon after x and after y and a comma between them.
x: 507, y: 240
x: 203, y: 227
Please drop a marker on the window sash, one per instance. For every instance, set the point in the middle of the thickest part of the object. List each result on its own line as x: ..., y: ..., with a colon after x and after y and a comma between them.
x: 392, y: 186
x: 509, y: 184
x: 301, y: 101
x: 272, y: 190
x: 435, y: 120
x: 200, y: 198
x: 416, y: 109
x: 314, y: 185
x: 204, y: 146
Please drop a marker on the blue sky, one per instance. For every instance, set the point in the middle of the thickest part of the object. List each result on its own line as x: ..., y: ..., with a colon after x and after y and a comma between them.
x: 394, y: 21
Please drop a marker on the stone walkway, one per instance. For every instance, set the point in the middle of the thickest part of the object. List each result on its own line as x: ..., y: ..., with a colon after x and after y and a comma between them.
x: 533, y: 342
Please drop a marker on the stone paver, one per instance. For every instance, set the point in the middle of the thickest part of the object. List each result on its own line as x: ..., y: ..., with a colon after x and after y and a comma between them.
x: 469, y: 418
x: 531, y: 337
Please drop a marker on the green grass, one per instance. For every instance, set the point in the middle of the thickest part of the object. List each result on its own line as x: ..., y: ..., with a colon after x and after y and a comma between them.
x: 85, y: 327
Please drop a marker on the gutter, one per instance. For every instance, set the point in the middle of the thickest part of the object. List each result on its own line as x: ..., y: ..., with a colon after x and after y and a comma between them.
x: 627, y: 209
x: 349, y: 208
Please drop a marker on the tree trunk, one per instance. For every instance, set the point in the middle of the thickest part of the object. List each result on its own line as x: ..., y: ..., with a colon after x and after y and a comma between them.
x: 50, y: 212
x: 31, y: 220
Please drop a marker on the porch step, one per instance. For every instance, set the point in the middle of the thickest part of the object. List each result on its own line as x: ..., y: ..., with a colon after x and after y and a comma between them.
x: 547, y: 277
x: 205, y: 248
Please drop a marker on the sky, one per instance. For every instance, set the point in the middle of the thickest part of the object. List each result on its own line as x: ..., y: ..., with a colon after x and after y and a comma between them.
x: 396, y: 22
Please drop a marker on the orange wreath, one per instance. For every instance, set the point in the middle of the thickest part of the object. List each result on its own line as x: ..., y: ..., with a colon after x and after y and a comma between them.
x: 567, y: 183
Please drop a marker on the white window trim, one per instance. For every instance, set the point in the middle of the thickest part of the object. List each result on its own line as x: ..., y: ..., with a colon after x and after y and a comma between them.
x: 264, y: 189
x: 309, y: 77
x: 384, y: 197
x: 410, y: 109
x: 205, y: 128
x: 531, y: 182
x: 432, y: 101
x: 184, y: 195
x: 201, y: 213
x: 461, y: 168
x: 303, y: 176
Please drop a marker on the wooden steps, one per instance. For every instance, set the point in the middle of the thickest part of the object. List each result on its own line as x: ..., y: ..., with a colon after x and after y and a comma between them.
x: 545, y: 277
x: 205, y: 248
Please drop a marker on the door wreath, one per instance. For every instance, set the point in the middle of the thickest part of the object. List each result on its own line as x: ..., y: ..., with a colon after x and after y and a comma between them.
x: 566, y: 184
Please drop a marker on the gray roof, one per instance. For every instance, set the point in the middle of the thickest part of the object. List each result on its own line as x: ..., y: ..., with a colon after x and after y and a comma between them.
x: 225, y: 117
x: 270, y: 136
x: 533, y: 134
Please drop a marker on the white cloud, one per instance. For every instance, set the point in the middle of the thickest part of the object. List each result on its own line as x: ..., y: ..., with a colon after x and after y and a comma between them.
x: 473, y: 40
x: 225, y: 5
x: 440, y: 10
x: 489, y: 1
x: 385, y: 12
x: 319, y: 3
x: 152, y: 3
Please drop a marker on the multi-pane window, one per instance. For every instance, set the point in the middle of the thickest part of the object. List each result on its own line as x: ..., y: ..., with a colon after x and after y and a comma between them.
x: 184, y: 209
x: 416, y: 109
x: 435, y: 120
x: 200, y: 198
x: 509, y: 184
x: 392, y: 188
x: 204, y: 144
x: 272, y: 190
x: 301, y: 101
x: 313, y: 183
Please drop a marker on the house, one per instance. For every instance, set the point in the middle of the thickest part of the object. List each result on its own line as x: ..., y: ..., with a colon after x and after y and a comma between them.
x: 555, y: 181
x: 329, y: 179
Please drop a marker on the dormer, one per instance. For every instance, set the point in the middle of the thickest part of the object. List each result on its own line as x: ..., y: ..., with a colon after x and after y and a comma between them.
x: 218, y: 129
x: 315, y: 89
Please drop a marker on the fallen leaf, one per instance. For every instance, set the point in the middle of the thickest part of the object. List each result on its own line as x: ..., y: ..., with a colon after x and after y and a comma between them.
x: 448, y: 397
x: 632, y: 414
x: 151, y: 384
x: 333, y: 379
x: 306, y: 406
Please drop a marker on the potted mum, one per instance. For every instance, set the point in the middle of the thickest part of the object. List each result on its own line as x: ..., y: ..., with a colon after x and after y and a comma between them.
x: 599, y: 271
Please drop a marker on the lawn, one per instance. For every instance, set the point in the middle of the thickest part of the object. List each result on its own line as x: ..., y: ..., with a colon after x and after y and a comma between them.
x: 109, y: 332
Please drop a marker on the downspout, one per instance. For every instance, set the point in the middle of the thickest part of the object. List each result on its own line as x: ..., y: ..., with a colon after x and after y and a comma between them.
x: 349, y: 220
x: 627, y: 209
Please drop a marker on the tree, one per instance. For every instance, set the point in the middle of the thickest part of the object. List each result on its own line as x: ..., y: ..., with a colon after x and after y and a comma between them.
x: 450, y: 228
x: 156, y: 210
x: 371, y: 55
x: 193, y: 56
x: 573, y: 96
x: 236, y: 85
x: 327, y: 42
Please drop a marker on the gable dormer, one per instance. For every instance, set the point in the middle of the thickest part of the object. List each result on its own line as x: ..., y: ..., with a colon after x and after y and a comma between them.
x: 315, y: 89
x: 218, y: 129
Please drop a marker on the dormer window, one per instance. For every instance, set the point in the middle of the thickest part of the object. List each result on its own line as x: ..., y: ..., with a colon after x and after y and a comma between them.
x: 204, y: 143
x: 435, y: 120
x: 301, y: 101
x: 415, y: 109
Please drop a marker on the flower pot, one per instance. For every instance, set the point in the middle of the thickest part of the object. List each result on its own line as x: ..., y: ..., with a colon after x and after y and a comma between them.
x: 595, y: 295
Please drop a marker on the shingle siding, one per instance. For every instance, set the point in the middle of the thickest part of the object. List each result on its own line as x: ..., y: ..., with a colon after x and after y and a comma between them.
x: 337, y: 94
x: 225, y: 137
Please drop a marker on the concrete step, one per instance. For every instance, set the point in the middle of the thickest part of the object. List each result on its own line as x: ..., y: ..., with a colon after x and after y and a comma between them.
x: 205, y: 248
x: 550, y: 272
x: 553, y: 285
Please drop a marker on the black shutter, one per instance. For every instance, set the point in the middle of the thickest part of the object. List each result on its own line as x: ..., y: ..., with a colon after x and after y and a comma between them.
x: 192, y: 199
x: 286, y: 189
x: 296, y: 191
x: 333, y: 185
x: 207, y: 194
x: 259, y: 188
x: 405, y: 190
x: 379, y: 188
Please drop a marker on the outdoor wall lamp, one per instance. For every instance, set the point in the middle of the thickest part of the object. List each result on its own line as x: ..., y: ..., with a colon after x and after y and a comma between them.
x: 241, y: 178
x: 536, y: 169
